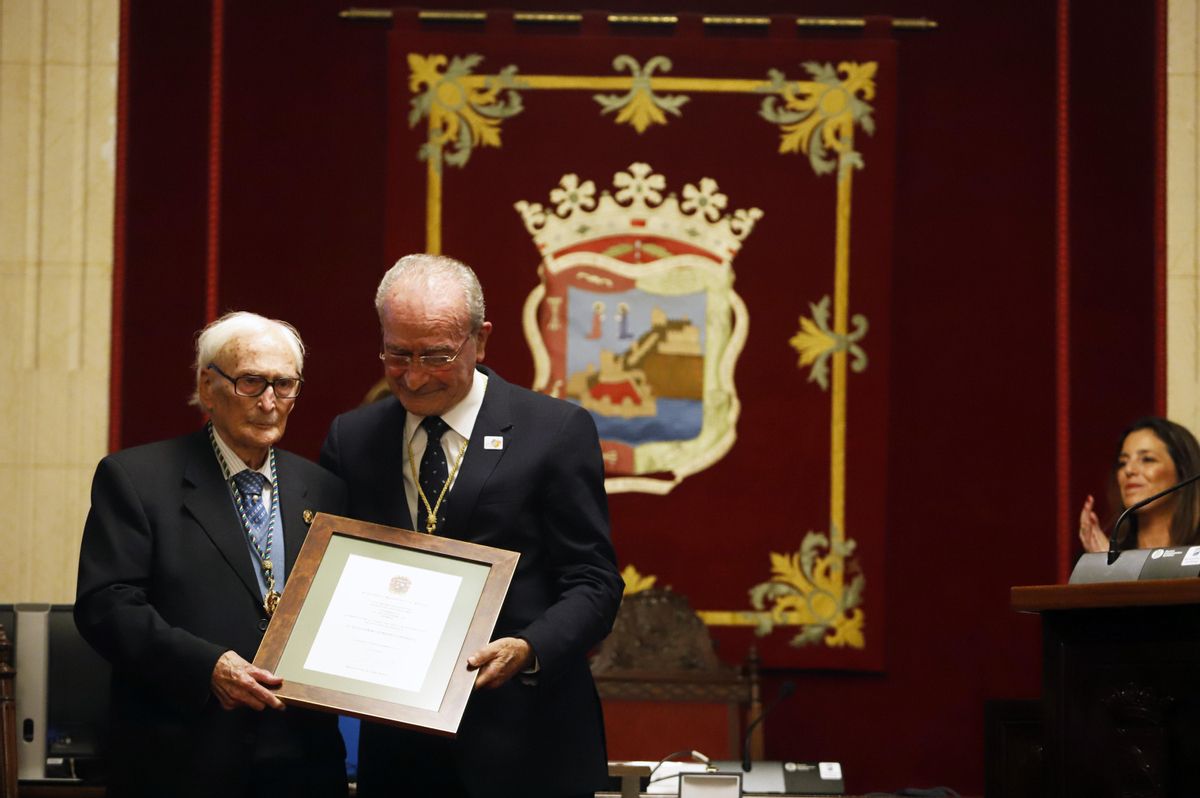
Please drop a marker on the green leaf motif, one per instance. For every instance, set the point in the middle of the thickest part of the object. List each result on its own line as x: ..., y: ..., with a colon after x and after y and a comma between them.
x: 816, y: 342
x: 640, y: 106
x: 845, y: 548
x: 808, y: 589
x: 854, y: 591
x: 820, y: 114
x: 762, y: 594
x: 809, y: 549
x: 464, y: 110
x: 809, y: 635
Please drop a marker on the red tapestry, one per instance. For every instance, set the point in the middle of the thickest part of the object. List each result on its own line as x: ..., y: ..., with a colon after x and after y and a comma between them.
x: 691, y: 224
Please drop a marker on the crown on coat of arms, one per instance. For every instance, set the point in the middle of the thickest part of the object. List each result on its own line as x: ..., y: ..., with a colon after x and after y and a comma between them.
x: 636, y: 223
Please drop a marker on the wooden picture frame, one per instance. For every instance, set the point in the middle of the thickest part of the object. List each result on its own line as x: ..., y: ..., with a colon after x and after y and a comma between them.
x: 377, y: 622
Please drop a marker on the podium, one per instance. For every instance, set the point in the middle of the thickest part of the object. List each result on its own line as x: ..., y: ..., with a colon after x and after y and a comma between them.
x: 1120, y: 686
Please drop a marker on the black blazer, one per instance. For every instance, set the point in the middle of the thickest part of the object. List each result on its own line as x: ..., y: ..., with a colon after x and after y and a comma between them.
x: 542, y: 495
x: 167, y: 585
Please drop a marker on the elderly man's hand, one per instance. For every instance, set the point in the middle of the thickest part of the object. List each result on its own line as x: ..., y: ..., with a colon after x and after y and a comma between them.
x: 500, y: 660
x: 237, y: 683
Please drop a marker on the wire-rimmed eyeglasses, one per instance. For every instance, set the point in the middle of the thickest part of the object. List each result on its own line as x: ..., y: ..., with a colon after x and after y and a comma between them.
x: 432, y: 362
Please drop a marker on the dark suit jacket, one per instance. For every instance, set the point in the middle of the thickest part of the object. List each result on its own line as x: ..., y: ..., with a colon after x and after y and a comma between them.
x: 167, y: 585
x: 542, y: 495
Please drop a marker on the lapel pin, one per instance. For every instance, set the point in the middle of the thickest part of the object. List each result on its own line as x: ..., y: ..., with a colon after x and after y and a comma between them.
x: 493, y: 442
x: 308, y: 516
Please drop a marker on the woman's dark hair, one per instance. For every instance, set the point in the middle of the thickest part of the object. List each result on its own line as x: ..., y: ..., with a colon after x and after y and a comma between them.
x: 1185, y: 454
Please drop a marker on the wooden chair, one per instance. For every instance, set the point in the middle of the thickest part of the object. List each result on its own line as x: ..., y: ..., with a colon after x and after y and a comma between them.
x: 665, y: 690
x: 8, y: 720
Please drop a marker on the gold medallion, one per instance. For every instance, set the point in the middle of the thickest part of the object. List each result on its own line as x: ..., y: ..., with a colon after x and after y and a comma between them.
x: 271, y: 602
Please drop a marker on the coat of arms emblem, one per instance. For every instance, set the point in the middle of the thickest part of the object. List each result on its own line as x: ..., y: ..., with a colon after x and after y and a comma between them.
x: 635, y: 319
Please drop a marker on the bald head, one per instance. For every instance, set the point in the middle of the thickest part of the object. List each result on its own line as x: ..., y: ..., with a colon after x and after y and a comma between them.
x: 431, y: 278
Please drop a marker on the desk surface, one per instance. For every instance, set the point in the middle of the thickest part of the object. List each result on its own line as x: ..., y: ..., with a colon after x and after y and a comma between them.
x: 1100, y: 595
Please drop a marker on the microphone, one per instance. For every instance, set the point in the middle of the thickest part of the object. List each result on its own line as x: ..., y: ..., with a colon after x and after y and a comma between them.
x: 785, y: 690
x: 1113, y: 552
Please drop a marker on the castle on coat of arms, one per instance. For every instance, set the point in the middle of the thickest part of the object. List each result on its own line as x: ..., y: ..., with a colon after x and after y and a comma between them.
x: 664, y: 361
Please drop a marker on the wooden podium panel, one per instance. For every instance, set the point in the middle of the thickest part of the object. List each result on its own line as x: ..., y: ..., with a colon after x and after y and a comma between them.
x: 1121, y: 668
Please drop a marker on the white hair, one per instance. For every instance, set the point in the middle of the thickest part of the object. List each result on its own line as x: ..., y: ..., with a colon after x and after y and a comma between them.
x: 236, y: 325
x: 431, y: 272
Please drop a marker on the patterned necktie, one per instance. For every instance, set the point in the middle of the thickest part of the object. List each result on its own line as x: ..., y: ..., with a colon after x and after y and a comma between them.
x: 434, y: 471
x: 250, y: 485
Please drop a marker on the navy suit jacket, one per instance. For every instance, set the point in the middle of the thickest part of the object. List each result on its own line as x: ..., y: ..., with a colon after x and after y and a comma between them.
x: 541, y: 494
x: 167, y: 585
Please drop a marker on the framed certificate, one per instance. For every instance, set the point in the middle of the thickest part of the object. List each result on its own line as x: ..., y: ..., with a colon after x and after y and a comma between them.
x: 378, y: 622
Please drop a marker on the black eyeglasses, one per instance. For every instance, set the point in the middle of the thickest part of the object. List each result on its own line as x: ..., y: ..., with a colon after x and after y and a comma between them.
x: 253, y: 385
x: 433, y: 362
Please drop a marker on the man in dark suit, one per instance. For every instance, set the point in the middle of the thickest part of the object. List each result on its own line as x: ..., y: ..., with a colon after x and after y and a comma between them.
x: 506, y: 467
x: 186, y: 547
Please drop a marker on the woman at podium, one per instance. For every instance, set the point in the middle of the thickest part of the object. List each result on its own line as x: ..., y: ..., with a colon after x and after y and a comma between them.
x: 1153, y: 454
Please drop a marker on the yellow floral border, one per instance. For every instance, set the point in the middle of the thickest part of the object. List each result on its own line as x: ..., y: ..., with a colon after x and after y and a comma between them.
x: 816, y: 117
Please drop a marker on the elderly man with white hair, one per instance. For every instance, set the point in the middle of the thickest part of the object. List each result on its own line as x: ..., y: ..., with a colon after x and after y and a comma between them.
x: 186, y: 549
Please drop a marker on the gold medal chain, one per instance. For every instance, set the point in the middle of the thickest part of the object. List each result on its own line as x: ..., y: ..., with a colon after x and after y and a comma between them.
x: 431, y: 512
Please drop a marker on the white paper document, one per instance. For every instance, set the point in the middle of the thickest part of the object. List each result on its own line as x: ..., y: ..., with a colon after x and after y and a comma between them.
x: 383, y: 623
x: 664, y: 780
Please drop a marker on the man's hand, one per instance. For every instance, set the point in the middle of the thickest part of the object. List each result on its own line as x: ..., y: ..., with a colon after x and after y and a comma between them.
x: 237, y: 683
x: 500, y: 660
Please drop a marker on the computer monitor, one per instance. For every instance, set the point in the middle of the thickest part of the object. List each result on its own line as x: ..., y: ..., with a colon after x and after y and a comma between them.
x: 74, y: 701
